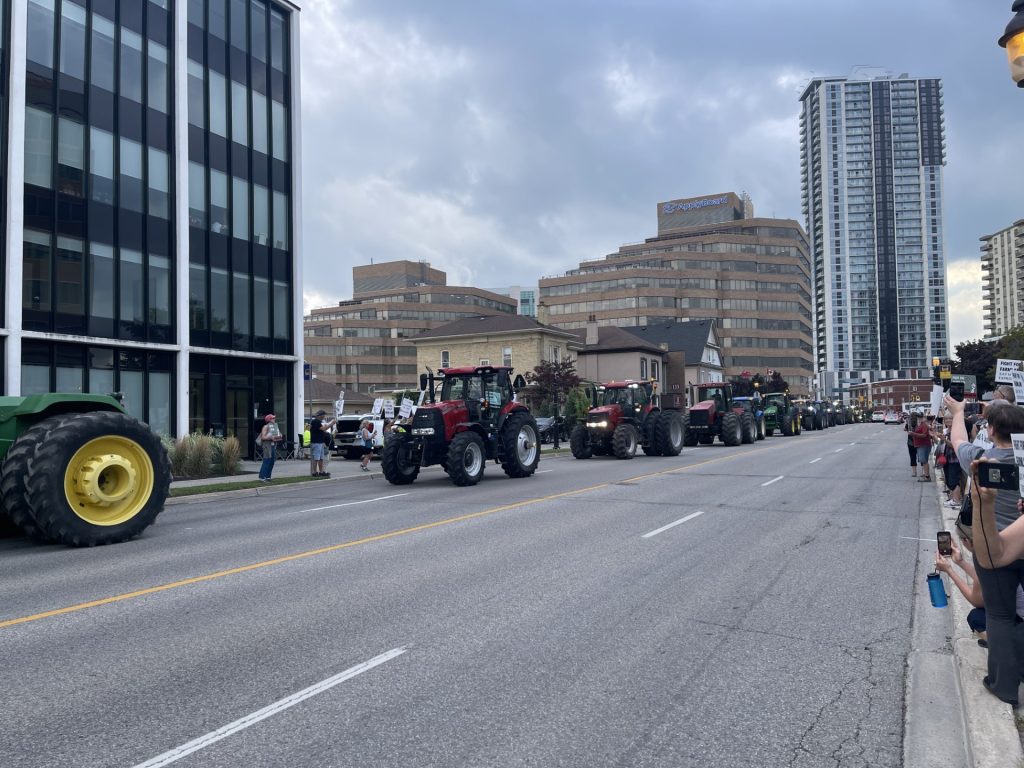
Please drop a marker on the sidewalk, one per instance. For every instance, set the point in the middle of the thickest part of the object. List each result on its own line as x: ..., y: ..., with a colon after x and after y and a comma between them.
x: 993, y: 740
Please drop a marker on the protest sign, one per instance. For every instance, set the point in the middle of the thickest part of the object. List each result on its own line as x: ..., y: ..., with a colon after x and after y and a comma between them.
x: 936, y: 403
x: 1005, y: 369
x: 1018, y: 386
x: 389, y: 409
x: 1018, y: 459
x: 406, y: 410
x: 378, y: 406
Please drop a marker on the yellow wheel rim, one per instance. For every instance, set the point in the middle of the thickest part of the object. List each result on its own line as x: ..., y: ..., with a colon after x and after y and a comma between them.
x: 109, y: 480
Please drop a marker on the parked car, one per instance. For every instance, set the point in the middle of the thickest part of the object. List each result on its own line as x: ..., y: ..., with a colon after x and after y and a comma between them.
x: 546, y: 426
x: 878, y: 416
x: 893, y: 417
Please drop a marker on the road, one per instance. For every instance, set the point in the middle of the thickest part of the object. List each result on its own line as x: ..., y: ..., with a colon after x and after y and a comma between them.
x: 745, y: 606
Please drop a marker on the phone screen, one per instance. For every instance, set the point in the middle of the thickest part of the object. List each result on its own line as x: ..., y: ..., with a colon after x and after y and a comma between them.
x: 945, y: 543
x: 956, y: 390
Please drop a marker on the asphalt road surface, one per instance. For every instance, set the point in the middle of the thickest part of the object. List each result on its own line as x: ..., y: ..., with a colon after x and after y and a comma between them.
x: 745, y: 606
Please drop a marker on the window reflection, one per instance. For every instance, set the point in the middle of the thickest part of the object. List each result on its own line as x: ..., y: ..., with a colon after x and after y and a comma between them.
x: 159, y: 189
x: 131, y: 175
x: 196, y: 99
x: 101, y: 165
x: 101, y: 268
x: 103, y: 58
x: 157, y: 77
x: 72, y: 40
x: 38, y: 147
x: 131, y: 65
x: 219, y: 202
x: 240, y: 208
x: 196, y: 195
x: 70, y: 157
x: 40, y: 32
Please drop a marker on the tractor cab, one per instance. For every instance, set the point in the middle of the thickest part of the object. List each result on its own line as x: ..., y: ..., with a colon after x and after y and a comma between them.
x: 486, y: 392
x: 633, y: 399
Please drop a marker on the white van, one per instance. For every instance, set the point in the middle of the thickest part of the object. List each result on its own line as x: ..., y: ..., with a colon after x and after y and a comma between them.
x: 347, y: 441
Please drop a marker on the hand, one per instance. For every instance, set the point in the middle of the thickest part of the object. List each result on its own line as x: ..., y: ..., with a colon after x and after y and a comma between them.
x: 958, y: 555
x: 955, y: 407
x: 1020, y: 506
x: 942, y: 563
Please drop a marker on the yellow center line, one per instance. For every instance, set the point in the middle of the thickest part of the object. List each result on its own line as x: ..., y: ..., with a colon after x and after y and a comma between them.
x: 345, y: 545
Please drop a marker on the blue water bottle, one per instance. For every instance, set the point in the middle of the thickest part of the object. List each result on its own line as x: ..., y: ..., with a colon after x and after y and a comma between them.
x: 936, y: 590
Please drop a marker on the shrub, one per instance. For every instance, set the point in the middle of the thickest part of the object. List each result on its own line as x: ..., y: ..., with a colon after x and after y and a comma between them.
x: 230, y: 456
x: 177, y: 453
x: 200, y: 455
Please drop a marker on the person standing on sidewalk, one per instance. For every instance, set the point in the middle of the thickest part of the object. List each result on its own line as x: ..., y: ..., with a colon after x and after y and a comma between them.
x: 922, y: 436
x: 909, y: 426
x: 319, y: 439
x: 270, y: 436
x: 366, y: 435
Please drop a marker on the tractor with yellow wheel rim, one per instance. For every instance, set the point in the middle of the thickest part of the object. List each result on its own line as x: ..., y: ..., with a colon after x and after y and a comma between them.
x: 78, y: 470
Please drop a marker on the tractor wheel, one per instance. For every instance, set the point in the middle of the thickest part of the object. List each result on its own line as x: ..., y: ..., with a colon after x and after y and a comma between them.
x: 785, y: 421
x: 770, y: 431
x: 819, y: 420
x: 624, y: 441
x: 732, y: 430
x: 83, y: 479
x: 748, y: 428
x: 579, y: 442
x: 466, y: 459
x: 519, y: 445
x: 761, y: 431
x: 670, y: 433
x: 689, y: 438
x: 650, y: 440
x: 396, y: 461
x: 807, y: 422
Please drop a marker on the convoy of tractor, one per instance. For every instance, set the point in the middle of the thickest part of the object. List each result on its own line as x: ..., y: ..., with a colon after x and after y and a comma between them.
x: 78, y: 470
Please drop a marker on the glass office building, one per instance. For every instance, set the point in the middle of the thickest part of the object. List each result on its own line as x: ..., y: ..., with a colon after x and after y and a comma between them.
x: 872, y: 153
x: 150, y: 231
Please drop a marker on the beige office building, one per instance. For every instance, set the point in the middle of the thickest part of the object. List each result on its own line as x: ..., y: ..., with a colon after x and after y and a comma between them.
x: 1002, y: 257
x: 710, y: 260
x: 361, y: 344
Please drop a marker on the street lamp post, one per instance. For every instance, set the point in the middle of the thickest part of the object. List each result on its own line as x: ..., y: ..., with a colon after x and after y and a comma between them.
x: 1013, y: 41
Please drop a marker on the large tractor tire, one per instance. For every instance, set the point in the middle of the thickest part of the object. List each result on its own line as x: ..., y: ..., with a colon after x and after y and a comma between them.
x: 624, y: 441
x: 820, y: 420
x: 761, y: 431
x: 86, y: 479
x: 396, y: 461
x: 466, y: 459
x: 670, y: 433
x: 579, y: 442
x: 732, y: 430
x: 797, y: 422
x: 650, y: 438
x: 786, y: 424
x: 807, y: 422
x: 520, y: 445
x: 748, y: 428
x: 690, y: 439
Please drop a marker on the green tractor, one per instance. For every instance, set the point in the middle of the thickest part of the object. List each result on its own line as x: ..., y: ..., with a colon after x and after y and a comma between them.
x: 78, y: 470
x: 781, y: 414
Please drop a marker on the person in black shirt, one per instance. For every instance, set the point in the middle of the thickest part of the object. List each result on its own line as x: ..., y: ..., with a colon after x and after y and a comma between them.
x: 319, y: 439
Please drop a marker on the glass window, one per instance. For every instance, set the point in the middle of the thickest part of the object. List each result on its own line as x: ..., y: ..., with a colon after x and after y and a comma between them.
x: 102, y: 69
x: 240, y: 314
x: 132, y: 385
x: 101, y: 269
x: 259, y: 123
x: 156, y: 76
x: 132, y: 288
x: 218, y: 24
x: 159, y: 418
x: 195, y: 13
x: 261, y: 307
x: 219, y: 299
x: 197, y: 297
x: 196, y: 195
x: 239, y: 114
x: 131, y: 175
x: 282, y: 311
x: 70, y: 157
x: 218, y: 104
x: 159, y: 189
x: 35, y: 379
x: 260, y: 215
x: 506, y: 357
x: 219, y: 202
x: 196, y: 99
x: 277, y: 41
x: 239, y: 37
x: 131, y: 65
x: 70, y: 276
x: 72, y: 40
x: 280, y: 128
x: 69, y: 378
x: 159, y: 290
x: 101, y: 165
x: 38, y: 147
x: 281, y: 220
x: 240, y: 208
x: 101, y: 380
x: 40, y: 32
x: 258, y: 27
x: 36, y: 271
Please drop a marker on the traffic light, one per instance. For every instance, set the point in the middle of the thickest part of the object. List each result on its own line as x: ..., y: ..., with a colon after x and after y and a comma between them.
x: 936, y: 371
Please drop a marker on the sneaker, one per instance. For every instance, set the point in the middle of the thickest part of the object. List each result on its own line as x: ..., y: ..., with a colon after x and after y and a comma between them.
x: 265, y: 479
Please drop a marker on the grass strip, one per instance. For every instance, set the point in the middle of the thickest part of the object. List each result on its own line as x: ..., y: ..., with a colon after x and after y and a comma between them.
x: 194, y: 490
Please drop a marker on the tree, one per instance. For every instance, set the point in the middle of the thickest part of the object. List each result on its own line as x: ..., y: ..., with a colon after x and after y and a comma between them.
x: 577, y: 404
x: 978, y: 358
x: 554, y: 380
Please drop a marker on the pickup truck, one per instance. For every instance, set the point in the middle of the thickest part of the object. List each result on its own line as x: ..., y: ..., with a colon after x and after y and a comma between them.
x: 347, y: 442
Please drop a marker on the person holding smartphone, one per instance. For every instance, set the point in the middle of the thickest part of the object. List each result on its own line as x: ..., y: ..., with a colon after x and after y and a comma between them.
x: 999, y: 574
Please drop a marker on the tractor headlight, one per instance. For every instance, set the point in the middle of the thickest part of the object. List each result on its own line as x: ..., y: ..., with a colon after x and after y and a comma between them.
x: 811, y: 410
x: 423, y: 431
x: 597, y: 424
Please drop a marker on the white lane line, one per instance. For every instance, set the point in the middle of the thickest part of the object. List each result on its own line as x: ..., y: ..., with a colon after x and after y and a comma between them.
x: 542, y: 471
x: 353, y: 503
x: 914, y: 538
x: 837, y: 450
x: 815, y: 461
x: 772, y: 481
x: 852, y: 443
x: 212, y: 737
x: 671, y: 525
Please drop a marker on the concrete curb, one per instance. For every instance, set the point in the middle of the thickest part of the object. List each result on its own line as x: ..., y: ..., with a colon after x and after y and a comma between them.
x: 271, y: 490
x: 993, y: 740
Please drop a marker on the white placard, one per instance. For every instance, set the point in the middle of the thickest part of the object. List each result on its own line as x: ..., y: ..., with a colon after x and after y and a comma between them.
x: 339, y: 405
x: 1018, y: 386
x: 389, y: 409
x: 378, y: 405
x: 936, y: 404
x: 1018, y: 459
x: 1005, y: 369
x: 406, y: 410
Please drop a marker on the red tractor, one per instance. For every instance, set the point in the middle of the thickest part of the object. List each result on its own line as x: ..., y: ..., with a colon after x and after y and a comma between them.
x: 716, y: 414
x: 476, y: 419
x: 624, y: 416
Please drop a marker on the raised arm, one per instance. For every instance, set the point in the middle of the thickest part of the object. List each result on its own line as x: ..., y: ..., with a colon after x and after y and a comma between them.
x: 958, y: 429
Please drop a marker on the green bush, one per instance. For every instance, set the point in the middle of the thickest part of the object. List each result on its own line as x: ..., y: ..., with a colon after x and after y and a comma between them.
x: 198, y: 455
x: 230, y: 456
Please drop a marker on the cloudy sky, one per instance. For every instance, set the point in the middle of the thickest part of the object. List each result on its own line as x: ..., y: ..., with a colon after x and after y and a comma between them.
x: 507, y: 140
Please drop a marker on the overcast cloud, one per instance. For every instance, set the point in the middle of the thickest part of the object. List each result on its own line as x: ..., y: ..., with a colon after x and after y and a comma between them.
x: 508, y: 140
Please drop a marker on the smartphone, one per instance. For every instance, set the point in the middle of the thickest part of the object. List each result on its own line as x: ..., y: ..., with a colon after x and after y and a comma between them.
x: 945, y: 542
x: 1002, y: 476
x: 956, y: 390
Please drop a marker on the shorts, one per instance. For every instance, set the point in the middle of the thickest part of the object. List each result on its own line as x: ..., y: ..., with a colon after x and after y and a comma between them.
x: 922, y: 454
x: 318, y: 451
